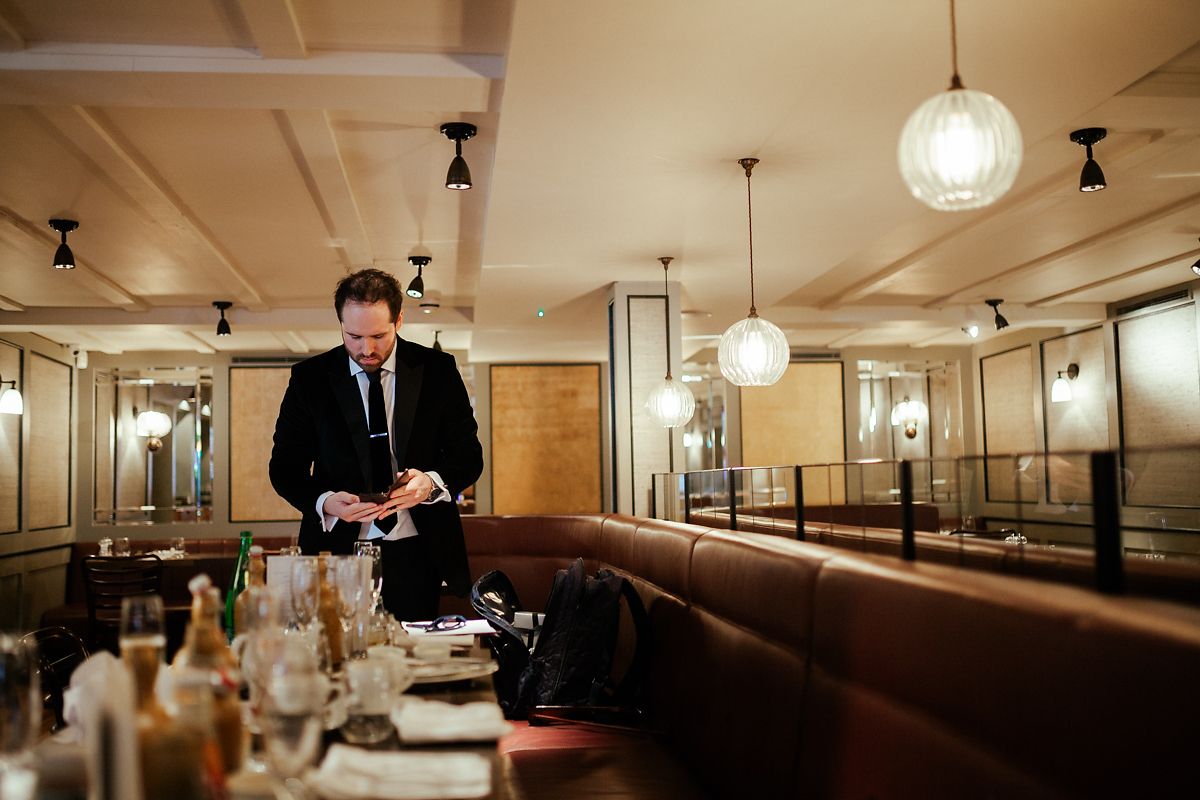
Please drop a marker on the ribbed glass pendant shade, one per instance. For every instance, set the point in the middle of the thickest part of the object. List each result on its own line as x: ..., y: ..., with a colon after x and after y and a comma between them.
x: 960, y: 149
x: 753, y: 352
x: 671, y: 404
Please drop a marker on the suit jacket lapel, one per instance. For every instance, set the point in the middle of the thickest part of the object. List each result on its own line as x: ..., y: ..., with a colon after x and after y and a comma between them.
x: 349, y: 400
x: 409, y: 372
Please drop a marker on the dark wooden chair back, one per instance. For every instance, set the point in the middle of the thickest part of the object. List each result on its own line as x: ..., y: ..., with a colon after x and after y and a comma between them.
x: 107, y: 582
x: 59, y: 652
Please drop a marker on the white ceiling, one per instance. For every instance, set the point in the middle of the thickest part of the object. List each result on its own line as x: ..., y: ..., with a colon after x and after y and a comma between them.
x: 257, y: 150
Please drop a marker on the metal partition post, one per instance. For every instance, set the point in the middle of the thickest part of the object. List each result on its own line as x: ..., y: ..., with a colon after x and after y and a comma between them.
x: 798, y: 499
x: 1106, y: 523
x: 687, y: 497
x: 908, y: 543
x: 732, y: 500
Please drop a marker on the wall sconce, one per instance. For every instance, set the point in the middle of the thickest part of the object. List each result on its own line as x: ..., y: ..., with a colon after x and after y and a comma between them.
x: 1091, y: 179
x: 910, y: 414
x: 63, y: 257
x: 222, y: 324
x: 153, y: 425
x: 417, y: 287
x: 1060, y: 390
x: 459, y: 175
x: 11, y: 401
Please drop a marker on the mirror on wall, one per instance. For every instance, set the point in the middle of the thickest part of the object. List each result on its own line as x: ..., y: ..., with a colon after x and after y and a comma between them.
x: 153, y: 445
x: 704, y: 436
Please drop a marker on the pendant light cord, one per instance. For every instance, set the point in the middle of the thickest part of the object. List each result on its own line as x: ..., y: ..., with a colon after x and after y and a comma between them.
x: 748, y: 164
x: 666, y: 261
x: 955, y: 81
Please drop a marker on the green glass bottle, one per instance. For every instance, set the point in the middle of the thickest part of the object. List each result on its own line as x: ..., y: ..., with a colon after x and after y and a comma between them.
x: 237, y: 583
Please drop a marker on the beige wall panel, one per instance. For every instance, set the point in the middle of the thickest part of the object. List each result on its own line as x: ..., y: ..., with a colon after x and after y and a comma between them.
x: 546, y: 439
x: 254, y: 397
x: 1079, y: 425
x: 131, y: 448
x: 799, y: 420
x: 651, y: 446
x: 10, y: 445
x: 104, y: 397
x: 1160, y: 392
x: 10, y: 602
x: 48, y: 404
x: 1008, y: 425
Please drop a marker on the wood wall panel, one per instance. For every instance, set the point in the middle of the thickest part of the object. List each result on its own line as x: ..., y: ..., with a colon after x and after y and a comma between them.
x: 10, y: 445
x: 48, y: 404
x: 799, y: 420
x: 1008, y: 426
x: 254, y: 397
x: 1160, y: 392
x: 1079, y: 425
x: 546, y: 439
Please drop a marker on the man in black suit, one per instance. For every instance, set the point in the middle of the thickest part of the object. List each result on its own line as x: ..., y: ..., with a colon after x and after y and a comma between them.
x: 380, y: 414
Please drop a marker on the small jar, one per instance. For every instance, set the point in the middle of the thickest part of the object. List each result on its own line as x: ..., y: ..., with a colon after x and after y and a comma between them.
x: 105, y: 547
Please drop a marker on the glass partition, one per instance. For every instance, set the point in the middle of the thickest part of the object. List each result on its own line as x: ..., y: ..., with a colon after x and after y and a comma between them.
x: 153, y: 453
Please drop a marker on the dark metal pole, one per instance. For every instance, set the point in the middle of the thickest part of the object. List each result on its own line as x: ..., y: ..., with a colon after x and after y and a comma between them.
x: 732, y: 501
x: 687, y: 497
x: 799, y: 498
x: 1106, y: 524
x: 908, y: 542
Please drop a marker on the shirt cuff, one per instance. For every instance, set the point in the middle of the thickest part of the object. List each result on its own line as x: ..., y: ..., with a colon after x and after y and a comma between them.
x: 327, y: 520
x: 445, y: 496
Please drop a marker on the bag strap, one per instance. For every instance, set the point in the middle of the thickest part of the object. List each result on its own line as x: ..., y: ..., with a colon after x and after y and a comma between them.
x: 633, y: 681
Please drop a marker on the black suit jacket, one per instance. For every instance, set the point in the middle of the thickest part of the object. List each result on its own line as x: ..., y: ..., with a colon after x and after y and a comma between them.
x: 321, y: 446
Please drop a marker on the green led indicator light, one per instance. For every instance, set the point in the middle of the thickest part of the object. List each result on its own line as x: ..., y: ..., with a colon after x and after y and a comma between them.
x: 541, y: 312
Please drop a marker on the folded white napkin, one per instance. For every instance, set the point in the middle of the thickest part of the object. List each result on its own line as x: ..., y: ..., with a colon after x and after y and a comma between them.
x: 167, y: 555
x: 352, y: 773
x: 102, y: 686
x: 419, y: 721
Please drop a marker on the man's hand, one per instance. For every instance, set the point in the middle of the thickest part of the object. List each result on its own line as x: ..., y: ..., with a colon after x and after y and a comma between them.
x: 348, y: 508
x: 414, y: 489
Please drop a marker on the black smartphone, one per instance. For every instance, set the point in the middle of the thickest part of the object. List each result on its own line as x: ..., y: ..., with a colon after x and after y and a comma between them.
x: 382, y: 497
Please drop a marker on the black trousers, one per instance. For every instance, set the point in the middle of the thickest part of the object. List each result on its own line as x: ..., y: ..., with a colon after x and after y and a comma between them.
x: 412, y: 585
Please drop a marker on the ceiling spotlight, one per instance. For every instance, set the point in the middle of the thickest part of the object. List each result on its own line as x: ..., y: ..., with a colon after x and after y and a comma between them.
x: 63, y: 257
x: 436, y: 344
x: 971, y: 330
x: 459, y: 175
x: 417, y: 287
x: 1001, y: 322
x: 223, y: 324
x: 1091, y: 179
x: 429, y: 308
x: 1196, y: 267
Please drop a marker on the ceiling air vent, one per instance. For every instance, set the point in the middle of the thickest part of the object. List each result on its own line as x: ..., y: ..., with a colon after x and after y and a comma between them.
x: 820, y: 355
x: 1148, y: 302
x: 263, y: 361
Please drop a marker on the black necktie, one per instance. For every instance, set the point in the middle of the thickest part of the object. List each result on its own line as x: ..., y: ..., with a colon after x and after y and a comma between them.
x: 381, y: 444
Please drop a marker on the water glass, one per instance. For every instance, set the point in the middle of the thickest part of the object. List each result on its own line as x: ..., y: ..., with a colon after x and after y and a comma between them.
x: 290, y: 550
x: 179, y: 544
x: 372, y: 694
x: 293, y: 708
x: 121, y: 546
x: 373, y: 552
x: 21, y: 717
x: 306, y: 590
x: 347, y: 576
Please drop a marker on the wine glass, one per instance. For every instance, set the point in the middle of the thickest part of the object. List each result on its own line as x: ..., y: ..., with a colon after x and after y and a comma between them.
x: 143, y: 643
x: 347, y: 575
x: 305, y: 586
x: 293, y: 711
x: 21, y: 720
x: 373, y: 552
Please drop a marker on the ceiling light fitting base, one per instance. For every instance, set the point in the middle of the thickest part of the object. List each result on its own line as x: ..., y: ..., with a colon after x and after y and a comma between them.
x: 64, y: 226
x: 1088, y: 136
x: 458, y: 131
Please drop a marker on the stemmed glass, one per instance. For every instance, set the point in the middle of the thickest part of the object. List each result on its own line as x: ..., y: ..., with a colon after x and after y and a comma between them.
x: 306, y: 590
x: 347, y: 574
x: 21, y: 716
x: 373, y: 552
x: 293, y: 711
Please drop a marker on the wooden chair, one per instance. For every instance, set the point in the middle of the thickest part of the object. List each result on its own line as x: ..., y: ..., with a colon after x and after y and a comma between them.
x: 108, y: 581
x: 59, y: 652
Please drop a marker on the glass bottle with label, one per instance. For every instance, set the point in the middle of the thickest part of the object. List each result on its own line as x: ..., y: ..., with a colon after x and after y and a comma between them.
x: 256, y: 586
x: 237, y: 583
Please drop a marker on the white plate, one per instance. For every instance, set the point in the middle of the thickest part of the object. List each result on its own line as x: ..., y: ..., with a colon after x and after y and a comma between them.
x: 451, y: 669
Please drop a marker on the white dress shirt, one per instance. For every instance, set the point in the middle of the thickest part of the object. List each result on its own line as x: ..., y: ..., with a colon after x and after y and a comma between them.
x: 404, y: 525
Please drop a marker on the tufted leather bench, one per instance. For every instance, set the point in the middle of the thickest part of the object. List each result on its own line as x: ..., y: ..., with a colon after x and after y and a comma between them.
x: 786, y: 669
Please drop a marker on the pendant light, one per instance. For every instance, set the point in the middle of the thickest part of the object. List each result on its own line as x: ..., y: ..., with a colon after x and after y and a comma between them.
x: 670, y: 404
x: 752, y: 352
x: 960, y: 149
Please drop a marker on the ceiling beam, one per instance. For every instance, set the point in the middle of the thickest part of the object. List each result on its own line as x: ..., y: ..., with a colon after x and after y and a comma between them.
x: 313, y: 146
x: 201, y: 345
x: 139, y: 167
x: 10, y: 37
x: 83, y: 273
x: 1162, y: 262
x: 275, y: 29
x: 292, y: 341
x: 7, y: 304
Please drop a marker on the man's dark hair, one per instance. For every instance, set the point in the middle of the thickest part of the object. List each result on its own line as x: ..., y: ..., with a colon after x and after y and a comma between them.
x: 368, y: 286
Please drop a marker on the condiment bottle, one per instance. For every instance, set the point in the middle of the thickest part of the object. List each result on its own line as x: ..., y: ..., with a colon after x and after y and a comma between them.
x: 256, y: 585
x: 327, y: 611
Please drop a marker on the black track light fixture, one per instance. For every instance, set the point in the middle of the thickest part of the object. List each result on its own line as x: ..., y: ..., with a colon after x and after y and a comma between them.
x: 1001, y: 322
x: 222, y: 323
x: 417, y: 287
x: 1196, y: 267
x: 436, y: 344
x: 1091, y: 179
x: 459, y: 174
x: 63, y: 257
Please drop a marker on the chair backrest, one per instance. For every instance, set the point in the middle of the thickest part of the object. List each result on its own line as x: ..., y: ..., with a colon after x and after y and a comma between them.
x: 108, y: 581
x: 59, y: 651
